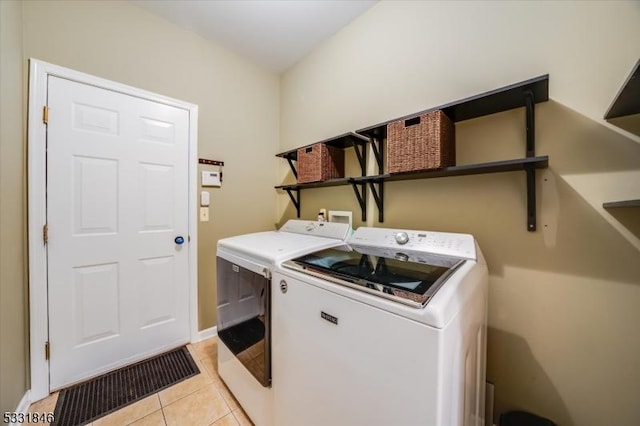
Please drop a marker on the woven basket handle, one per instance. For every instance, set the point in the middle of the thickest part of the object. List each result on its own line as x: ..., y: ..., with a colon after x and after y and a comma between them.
x: 412, y: 122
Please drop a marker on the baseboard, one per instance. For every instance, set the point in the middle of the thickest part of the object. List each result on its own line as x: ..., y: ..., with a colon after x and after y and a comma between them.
x: 23, y: 405
x: 207, y: 333
x: 489, y: 403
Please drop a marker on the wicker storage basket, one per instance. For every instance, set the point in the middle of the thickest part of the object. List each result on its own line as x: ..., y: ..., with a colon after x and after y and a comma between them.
x: 421, y: 143
x: 320, y: 162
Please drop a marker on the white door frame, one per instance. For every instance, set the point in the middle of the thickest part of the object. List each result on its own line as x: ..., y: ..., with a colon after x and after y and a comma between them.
x: 37, y: 134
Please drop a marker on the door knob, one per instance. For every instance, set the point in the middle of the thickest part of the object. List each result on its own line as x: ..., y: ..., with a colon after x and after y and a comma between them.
x: 179, y: 240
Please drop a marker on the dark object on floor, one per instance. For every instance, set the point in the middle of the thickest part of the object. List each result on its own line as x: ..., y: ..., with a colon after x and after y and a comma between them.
x: 521, y: 418
x: 85, y: 402
x: 242, y: 336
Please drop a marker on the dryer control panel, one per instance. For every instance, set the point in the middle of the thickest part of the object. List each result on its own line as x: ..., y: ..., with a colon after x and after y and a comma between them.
x: 334, y: 230
x: 444, y: 243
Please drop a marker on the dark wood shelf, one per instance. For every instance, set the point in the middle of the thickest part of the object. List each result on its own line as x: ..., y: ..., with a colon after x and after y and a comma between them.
x: 344, y: 141
x: 621, y: 204
x: 519, y: 164
x: 627, y: 101
x: 514, y: 165
x: 323, y: 184
x: 494, y: 101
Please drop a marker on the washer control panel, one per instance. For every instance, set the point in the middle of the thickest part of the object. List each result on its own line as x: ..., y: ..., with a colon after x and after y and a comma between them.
x: 402, y: 238
x: 450, y: 244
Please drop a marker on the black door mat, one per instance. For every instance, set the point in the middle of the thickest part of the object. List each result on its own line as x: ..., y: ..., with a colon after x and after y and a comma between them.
x: 88, y: 401
x: 242, y: 336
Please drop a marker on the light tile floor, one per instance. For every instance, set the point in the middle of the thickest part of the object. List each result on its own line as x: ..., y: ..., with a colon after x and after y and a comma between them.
x: 200, y: 400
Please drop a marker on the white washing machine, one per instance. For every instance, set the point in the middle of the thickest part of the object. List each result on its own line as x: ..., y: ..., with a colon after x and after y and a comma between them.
x: 245, y: 265
x: 388, y: 329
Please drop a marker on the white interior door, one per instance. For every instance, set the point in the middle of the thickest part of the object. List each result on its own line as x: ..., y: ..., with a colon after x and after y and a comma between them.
x: 117, y: 197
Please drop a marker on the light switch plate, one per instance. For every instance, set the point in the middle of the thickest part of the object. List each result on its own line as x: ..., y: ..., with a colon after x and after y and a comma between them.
x: 204, y: 214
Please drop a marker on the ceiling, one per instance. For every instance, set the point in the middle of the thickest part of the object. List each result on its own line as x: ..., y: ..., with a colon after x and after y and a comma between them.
x: 274, y: 34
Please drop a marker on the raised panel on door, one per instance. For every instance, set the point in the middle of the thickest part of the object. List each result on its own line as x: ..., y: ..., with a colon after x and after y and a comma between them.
x: 153, y: 130
x: 156, y: 188
x: 156, y: 296
x: 95, y: 195
x: 94, y: 118
x: 95, y: 303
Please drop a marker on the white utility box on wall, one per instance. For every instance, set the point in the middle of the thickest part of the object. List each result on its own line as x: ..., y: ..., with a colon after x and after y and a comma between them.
x: 211, y: 178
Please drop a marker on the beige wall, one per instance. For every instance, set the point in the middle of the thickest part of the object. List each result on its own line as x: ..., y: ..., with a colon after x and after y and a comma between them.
x: 564, y: 300
x: 13, y: 339
x: 238, y: 124
x: 238, y: 103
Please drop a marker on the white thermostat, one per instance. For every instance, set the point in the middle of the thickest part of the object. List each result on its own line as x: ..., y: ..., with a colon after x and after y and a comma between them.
x: 211, y: 178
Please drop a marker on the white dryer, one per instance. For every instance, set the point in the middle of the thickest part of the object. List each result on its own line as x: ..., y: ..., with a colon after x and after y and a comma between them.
x: 245, y: 265
x: 388, y: 329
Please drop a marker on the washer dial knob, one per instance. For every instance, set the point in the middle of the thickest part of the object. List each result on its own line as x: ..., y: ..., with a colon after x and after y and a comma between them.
x: 402, y: 238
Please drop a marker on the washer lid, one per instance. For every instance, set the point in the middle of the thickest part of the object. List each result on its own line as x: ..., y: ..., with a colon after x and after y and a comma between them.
x: 408, y: 277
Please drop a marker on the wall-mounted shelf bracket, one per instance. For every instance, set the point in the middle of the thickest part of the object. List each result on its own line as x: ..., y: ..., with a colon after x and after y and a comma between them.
x: 531, y: 197
x: 377, y: 190
x: 361, y: 152
x: 531, y: 152
x: 295, y: 200
x: 627, y: 101
x: 531, y: 123
x: 378, y: 196
x: 293, y: 167
x: 378, y: 151
x: 360, y: 188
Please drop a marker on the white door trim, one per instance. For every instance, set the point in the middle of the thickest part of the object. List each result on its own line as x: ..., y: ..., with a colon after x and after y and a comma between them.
x: 38, y: 307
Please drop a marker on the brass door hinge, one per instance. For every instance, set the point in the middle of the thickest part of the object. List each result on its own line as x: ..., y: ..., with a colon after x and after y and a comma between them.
x: 47, y: 352
x: 45, y: 233
x: 45, y: 114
